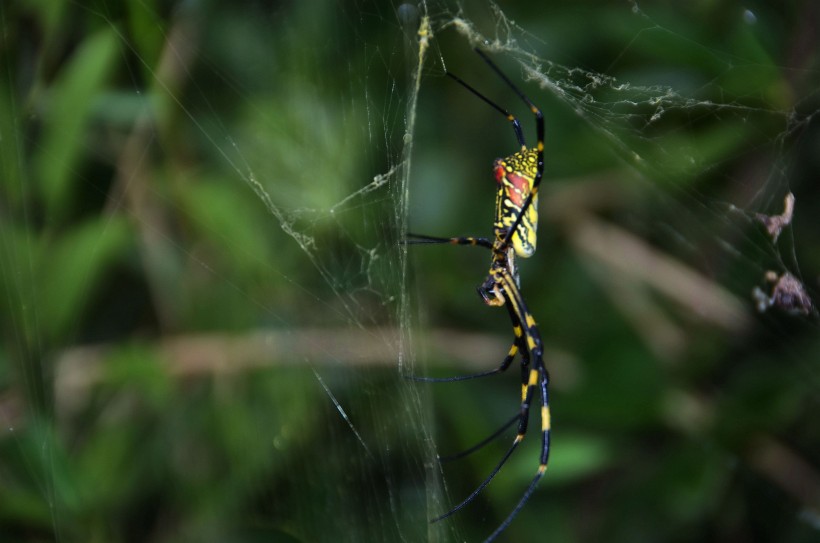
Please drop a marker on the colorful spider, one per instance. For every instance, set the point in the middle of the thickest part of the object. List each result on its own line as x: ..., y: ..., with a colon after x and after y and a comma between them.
x: 516, y: 219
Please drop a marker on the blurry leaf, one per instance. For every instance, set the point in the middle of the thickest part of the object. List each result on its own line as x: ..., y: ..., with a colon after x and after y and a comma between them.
x: 696, y: 150
x: 228, y: 218
x: 309, y: 156
x: 17, y: 283
x: 24, y: 505
x: 758, y: 400
x: 689, y: 482
x: 147, y: 29
x: 120, y: 109
x: 50, y: 15
x: 137, y: 369
x: 72, y: 267
x: 68, y: 106
x: 755, y: 75
x: 111, y: 466
x: 32, y: 473
x: 575, y: 456
x: 12, y: 188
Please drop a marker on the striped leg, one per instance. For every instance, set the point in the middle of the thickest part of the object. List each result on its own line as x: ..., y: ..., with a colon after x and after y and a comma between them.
x: 545, y: 452
x: 421, y: 239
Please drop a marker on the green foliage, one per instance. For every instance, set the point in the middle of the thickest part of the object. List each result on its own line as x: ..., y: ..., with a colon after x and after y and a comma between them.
x: 70, y: 105
x: 206, y: 315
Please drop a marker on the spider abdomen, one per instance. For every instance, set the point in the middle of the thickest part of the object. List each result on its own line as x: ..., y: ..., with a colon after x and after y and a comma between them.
x: 515, y: 176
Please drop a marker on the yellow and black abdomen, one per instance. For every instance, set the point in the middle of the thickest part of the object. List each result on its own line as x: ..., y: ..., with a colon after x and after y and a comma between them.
x: 515, y: 176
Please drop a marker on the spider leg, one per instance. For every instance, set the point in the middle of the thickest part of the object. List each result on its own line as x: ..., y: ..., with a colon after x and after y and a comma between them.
x: 519, y: 135
x: 417, y: 239
x: 545, y: 450
x: 538, y: 376
x: 480, y: 444
x: 527, y: 334
x: 514, y: 349
x: 521, y: 345
x: 523, y: 420
x: 539, y: 130
x: 421, y: 239
x: 480, y: 487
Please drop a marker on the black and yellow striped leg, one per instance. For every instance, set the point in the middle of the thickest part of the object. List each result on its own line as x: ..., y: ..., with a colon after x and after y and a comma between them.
x: 521, y: 341
x: 545, y: 452
x: 514, y: 349
x: 529, y: 381
x: 523, y: 420
x: 421, y: 239
x: 519, y: 134
x: 546, y: 420
x: 537, y: 377
x: 519, y: 345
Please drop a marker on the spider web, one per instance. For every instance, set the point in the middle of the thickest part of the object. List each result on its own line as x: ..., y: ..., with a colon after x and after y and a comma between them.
x: 211, y: 318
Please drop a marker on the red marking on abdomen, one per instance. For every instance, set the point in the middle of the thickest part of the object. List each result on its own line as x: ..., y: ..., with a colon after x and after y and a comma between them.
x: 500, y: 172
x: 523, y: 186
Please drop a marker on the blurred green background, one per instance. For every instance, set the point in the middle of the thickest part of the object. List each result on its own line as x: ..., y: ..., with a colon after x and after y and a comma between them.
x: 207, y: 316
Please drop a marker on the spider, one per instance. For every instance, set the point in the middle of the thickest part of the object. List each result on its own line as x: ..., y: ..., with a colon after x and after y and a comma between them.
x: 514, y: 229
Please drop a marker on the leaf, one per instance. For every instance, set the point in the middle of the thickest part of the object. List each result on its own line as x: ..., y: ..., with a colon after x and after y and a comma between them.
x: 69, y: 105
x: 575, y: 456
x: 73, y: 266
x: 229, y: 219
